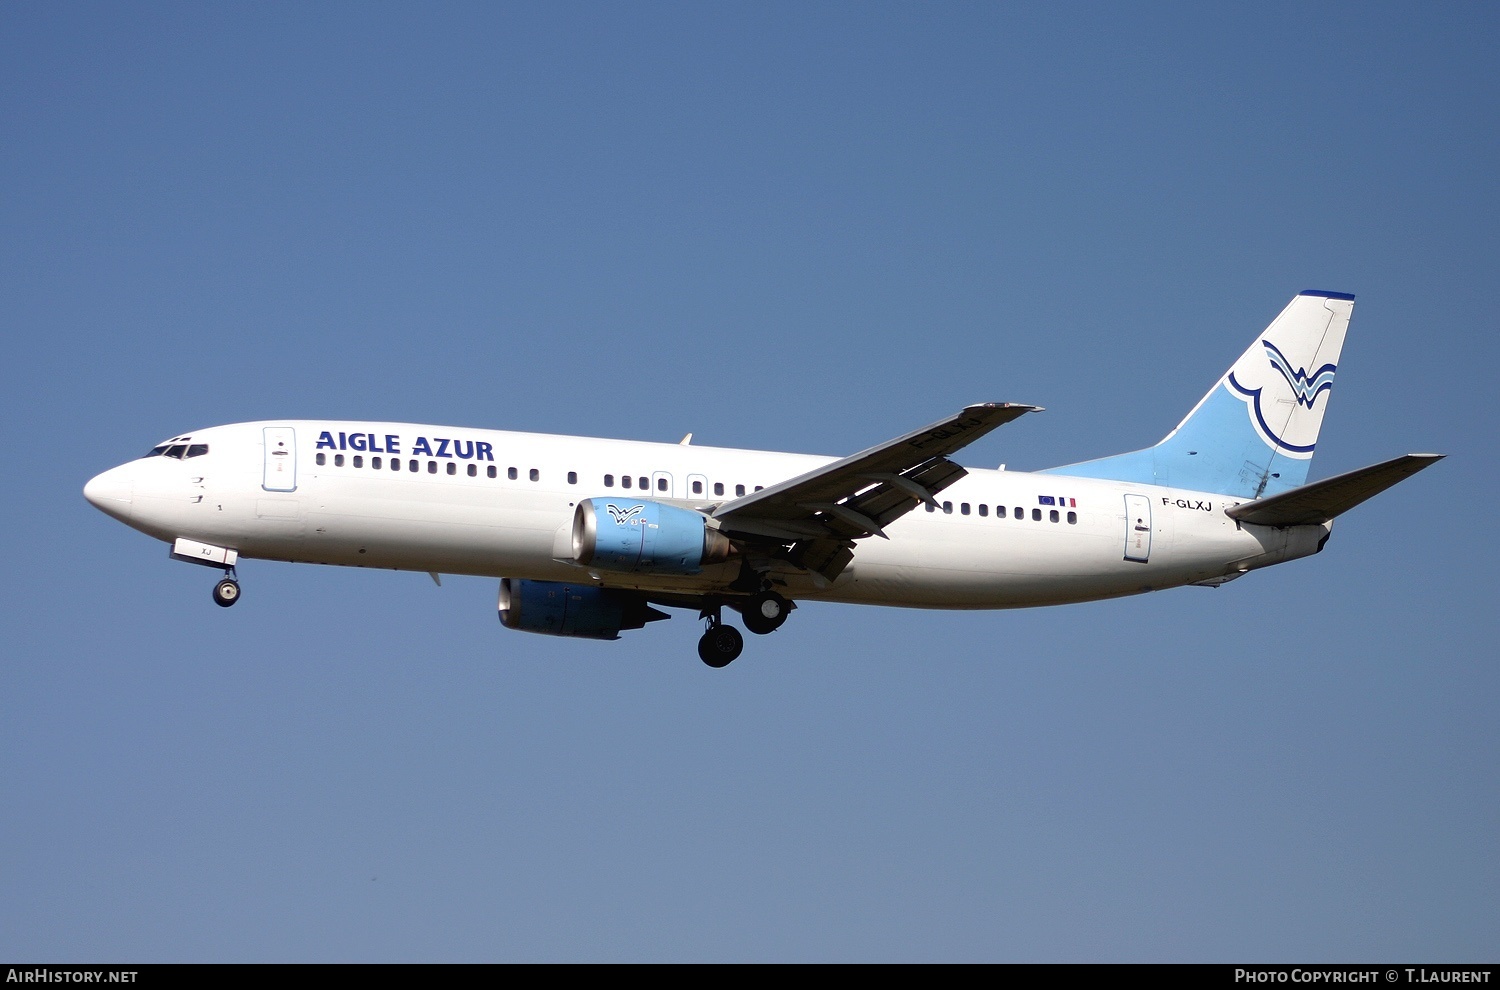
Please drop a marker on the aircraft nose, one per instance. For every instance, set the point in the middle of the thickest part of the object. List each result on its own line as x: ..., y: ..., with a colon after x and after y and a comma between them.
x: 112, y: 491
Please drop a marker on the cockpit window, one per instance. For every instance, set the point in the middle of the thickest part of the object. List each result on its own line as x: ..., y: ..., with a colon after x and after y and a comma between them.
x: 179, y: 450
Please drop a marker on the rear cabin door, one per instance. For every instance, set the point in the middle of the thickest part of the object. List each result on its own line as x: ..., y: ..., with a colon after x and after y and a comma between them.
x: 1137, y: 528
x: 281, y: 459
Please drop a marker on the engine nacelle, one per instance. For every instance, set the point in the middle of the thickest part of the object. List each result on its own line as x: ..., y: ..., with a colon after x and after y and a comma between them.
x: 582, y: 610
x: 644, y: 536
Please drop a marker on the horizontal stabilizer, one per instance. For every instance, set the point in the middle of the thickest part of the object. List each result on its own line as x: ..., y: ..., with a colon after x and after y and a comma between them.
x: 1322, y: 500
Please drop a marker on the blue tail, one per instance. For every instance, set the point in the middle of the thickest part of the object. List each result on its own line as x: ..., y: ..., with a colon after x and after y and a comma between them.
x: 1254, y: 433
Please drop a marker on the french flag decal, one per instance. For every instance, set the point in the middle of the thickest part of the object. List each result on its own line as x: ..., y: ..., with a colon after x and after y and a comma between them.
x: 1063, y: 500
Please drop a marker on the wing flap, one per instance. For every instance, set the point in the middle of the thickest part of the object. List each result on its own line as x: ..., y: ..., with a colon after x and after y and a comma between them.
x: 844, y: 478
x: 1321, y: 501
x: 821, y: 513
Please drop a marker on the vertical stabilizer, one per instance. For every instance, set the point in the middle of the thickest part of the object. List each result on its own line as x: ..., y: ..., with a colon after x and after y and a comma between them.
x: 1254, y: 433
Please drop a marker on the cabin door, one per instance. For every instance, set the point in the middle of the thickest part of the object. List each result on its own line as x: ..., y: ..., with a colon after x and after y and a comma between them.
x: 1137, y: 528
x: 281, y: 459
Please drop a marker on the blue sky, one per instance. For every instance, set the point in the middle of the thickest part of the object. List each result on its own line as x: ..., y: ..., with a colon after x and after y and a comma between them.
x: 807, y: 227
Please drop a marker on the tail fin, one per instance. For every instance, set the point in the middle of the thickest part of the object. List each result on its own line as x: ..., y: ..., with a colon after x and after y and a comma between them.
x: 1254, y: 433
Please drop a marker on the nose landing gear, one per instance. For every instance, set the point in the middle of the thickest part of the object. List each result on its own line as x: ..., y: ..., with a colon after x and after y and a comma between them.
x: 227, y: 591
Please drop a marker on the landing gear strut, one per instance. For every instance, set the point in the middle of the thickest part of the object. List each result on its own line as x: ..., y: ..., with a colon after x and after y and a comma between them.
x: 720, y: 643
x: 227, y: 591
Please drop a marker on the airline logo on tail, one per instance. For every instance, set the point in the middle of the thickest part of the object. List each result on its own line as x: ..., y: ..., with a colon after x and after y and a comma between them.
x: 1306, y: 389
x: 1281, y: 398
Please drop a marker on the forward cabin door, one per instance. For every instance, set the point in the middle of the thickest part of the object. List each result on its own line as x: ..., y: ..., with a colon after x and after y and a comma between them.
x: 1137, y: 528
x: 281, y: 459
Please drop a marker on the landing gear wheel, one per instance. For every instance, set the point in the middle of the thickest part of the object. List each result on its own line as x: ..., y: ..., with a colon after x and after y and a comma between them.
x: 226, y: 592
x: 765, y: 612
x: 720, y: 645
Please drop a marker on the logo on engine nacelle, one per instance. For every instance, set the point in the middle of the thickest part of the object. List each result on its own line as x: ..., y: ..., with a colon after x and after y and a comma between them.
x: 623, y: 516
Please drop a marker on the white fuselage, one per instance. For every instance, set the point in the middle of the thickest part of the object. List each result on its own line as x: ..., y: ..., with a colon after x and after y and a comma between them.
x: 501, y: 504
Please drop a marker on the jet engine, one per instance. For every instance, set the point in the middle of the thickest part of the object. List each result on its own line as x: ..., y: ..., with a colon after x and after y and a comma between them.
x: 644, y: 536
x: 557, y: 609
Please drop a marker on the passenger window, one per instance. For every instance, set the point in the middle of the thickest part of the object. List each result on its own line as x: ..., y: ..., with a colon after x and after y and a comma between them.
x: 338, y: 460
x: 359, y: 461
x: 697, y: 488
x: 572, y: 477
x: 1053, y: 515
x: 948, y: 508
x: 759, y: 487
x: 452, y: 468
x: 473, y: 470
x: 626, y: 482
x: 645, y: 485
x: 718, y: 488
x: 999, y: 512
x: 930, y: 508
x: 411, y: 466
x: 395, y: 463
x: 432, y: 467
x: 322, y: 458
x: 1072, y: 519
x: 609, y: 481
x: 490, y: 471
x: 1020, y: 512
x: 661, y: 484
x: 739, y: 489
x: 536, y: 475
x: 984, y: 510
x: 375, y: 463
x: 964, y: 508
x: 511, y: 474
x: 1036, y: 515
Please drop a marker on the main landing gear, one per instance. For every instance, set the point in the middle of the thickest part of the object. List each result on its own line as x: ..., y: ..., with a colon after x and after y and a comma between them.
x: 722, y: 643
x: 227, y: 591
x: 765, y: 612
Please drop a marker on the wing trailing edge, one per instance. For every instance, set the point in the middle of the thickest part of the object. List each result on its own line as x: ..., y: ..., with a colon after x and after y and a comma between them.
x: 823, y: 512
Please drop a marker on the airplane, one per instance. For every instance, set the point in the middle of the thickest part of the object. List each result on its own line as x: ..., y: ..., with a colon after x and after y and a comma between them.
x: 593, y: 537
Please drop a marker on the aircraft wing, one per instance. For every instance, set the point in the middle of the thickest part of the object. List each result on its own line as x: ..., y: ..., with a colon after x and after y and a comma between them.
x: 1320, y: 501
x: 821, y: 513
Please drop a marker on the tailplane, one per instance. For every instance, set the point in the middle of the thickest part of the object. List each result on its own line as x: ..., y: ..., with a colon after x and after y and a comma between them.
x: 1321, y: 501
x: 1254, y: 433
